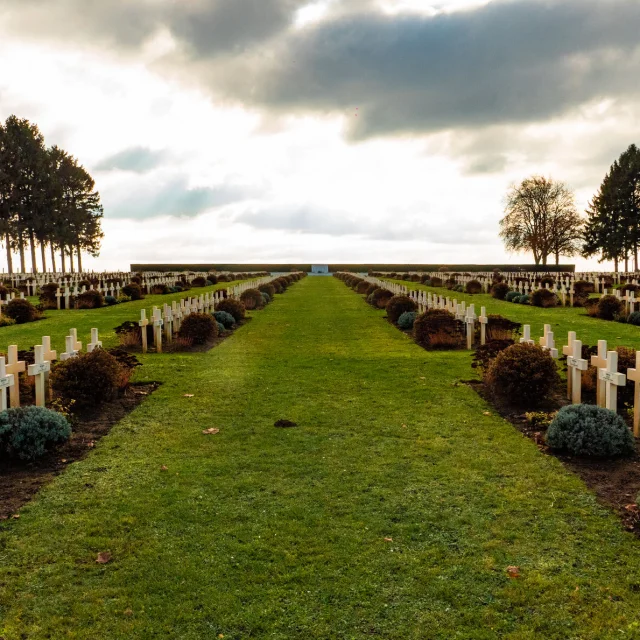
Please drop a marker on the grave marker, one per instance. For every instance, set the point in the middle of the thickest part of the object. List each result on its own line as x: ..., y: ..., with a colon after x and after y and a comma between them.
x: 143, y: 326
x: 95, y: 342
x: 600, y: 362
x: 38, y: 370
x: 14, y: 368
x: 567, y: 350
x: 634, y: 376
x: 612, y: 380
x: 6, y: 382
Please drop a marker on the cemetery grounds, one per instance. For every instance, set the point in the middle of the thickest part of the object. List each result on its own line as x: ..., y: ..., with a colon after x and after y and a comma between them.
x: 401, y: 506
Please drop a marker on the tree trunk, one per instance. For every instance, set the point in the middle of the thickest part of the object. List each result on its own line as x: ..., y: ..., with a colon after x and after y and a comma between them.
x: 53, y: 259
x: 626, y: 263
x: 71, y: 259
x: 44, y: 257
x: 32, y: 246
x: 64, y: 267
x: 544, y: 260
x: 79, y: 254
x: 557, y: 258
x: 23, y: 266
x: 9, y: 256
x: 615, y: 264
x: 635, y: 256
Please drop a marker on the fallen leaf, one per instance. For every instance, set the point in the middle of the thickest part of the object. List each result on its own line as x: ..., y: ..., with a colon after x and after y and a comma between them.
x: 422, y: 378
x: 128, y: 612
x: 16, y: 516
x: 188, y: 395
x: 486, y: 413
x: 91, y: 445
x: 513, y: 572
x: 208, y: 432
x: 631, y: 507
x: 404, y: 426
x: 103, y: 557
x: 388, y: 539
x: 163, y: 468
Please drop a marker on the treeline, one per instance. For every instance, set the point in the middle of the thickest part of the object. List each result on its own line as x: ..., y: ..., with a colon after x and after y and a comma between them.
x: 47, y: 200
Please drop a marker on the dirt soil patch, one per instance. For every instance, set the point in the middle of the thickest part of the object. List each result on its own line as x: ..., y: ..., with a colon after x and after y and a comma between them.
x: 616, y: 482
x: 20, y: 481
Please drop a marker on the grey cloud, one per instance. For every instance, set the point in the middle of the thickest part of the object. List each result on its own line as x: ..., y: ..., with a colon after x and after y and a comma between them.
x: 175, y: 199
x: 136, y: 159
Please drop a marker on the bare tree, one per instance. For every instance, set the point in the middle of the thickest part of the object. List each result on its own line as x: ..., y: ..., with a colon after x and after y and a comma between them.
x: 541, y: 217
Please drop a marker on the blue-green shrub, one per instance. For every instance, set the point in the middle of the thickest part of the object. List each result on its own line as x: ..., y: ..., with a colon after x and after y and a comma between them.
x: 427, y: 283
x: 406, y: 320
x: 588, y: 430
x: 110, y: 300
x: 27, y: 432
x: 512, y: 295
x: 634, y: 318
x: 516, y: 299
x: 265, y: 297
x: 221, y: 328
x: 225, y: 319
x: 525, y: 299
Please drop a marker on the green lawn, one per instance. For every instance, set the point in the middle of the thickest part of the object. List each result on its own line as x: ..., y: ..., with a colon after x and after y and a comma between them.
x: 56, y: 324
x: 561, y: 319
x: 261, y: 532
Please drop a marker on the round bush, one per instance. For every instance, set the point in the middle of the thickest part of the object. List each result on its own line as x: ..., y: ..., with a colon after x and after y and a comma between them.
x: 89, y: 379
x: 583, y: 288
x: 499, y: 290
x: 362, y: 287
x: 380, y: 297
x: 225, y: 319
x: 160, y: 290
x: 544, y: 298
x: 399, y: 305
x: 110, y: 300
x: 436, y: 281
x: 525, y: 299
x: 21, y: 311
x: 588, y: 430
x: 221, y: 328
x: 438, y: 329
x: 634, y: 318
x: 90, y: 300
x: 199, y: 282
x: 252, y: 299
x: 233, y: 307
x: 473, y: 287
x: 608, y: 307
x: 27, y: 432
x: 524, y: 375
x: 199, y: 328
x: 512, y: 295
x: 516, y: 299
x: 406, y: 320
x: 132, y: 291
x: 269, y: 289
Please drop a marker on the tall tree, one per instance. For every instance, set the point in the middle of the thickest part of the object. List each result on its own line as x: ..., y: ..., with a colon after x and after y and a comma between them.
x: 541, y: 217
x: 613, y: 224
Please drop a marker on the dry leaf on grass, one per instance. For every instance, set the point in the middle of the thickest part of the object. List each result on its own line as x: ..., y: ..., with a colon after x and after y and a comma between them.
x: 16, y: 516
x: 513, y: 572
x: 164, y: 468
x: 103, y: 557
x: 388, y: 539
x: 188, y: 395
x: 210, y: 432
x: 486, y: 413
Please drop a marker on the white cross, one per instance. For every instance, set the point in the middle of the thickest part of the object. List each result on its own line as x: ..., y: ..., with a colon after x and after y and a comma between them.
x: 550, y: 345
x: 77, y: 346
x: 143, y: 327
x: 484, y: 320
x: 95, y: 342
x: 157, y: 329
x: 526, y: 335
x: 470, y: 319
x: 634, y: 376
x: 70, y: 351
x: 49, y: 355
x: 168, y: 321
x: 576, y: 365
x: 567, y: 350
x: 543, y: 340
x: 612, y: 379
x: 39, y: 369
x: 6, y: 381
x: 600, y: 362
x: 15, y: 367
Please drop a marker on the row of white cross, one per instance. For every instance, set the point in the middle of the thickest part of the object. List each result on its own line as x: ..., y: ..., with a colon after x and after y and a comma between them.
x: 44, y: 355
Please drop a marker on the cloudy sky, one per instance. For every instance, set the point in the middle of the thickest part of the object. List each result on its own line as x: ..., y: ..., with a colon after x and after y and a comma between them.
x: 322, y: 131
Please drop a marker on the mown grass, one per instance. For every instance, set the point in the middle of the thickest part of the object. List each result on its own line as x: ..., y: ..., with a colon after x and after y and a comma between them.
x: 561, y: 319
x: 56, y: 324
x: 261, y: 532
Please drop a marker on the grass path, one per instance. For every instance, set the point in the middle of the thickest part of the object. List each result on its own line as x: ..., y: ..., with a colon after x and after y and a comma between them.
x: 261, y: 532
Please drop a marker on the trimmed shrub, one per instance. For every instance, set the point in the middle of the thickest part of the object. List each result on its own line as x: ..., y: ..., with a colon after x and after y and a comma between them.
x: 233, y: 307
x: 90, y: 300
x: 6, y: 322
x: 436, y: 281
x: 380, y: 297
x: 199, y: 282
x: 199, y: 328
x: 438, y: 329
x: 133, y: 291
x: 473, y: 286
x: 608, y: 307
x: 225, y: 319
x: 547, y: 280
x: 525, y: 299
x: 406, y: 320
x: 122, y: 298
x: 89, y: 379
x: 516, y: 299
x: 269, y: 289
x: 512, y: 295
x: 48, y: 295
x: 588, y: 430
x: 524, y: 375
x: 486, y: 353
x: 21, y: 311
x: 110, y: 300
x: 252, y: 299
x: 160, y: 290
x: 501, y: 328
x: 544, y: 298
x: 362, y: 287
x: 583, y: 288
x: 634, y: 318
x: 399, y: 305
x: 499, y: 290
x: 265, y: 298
x: 28, y: 432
